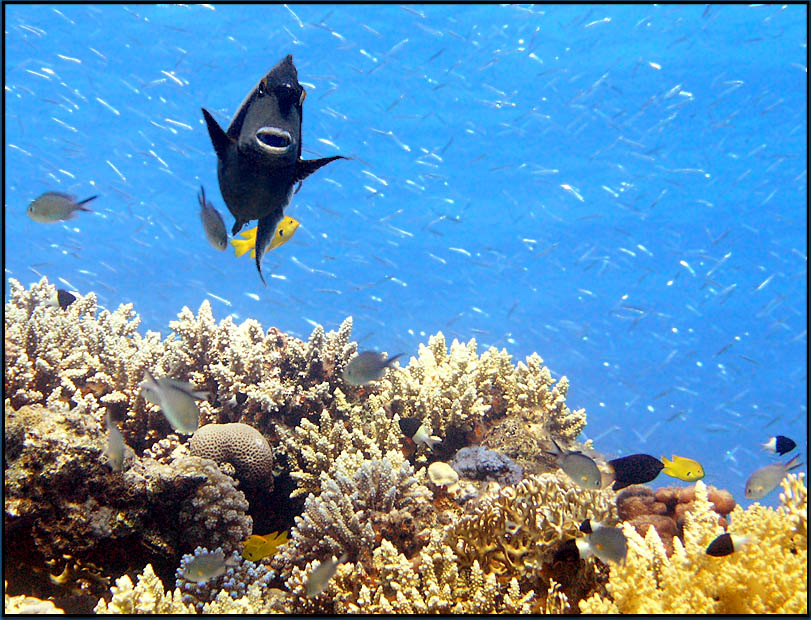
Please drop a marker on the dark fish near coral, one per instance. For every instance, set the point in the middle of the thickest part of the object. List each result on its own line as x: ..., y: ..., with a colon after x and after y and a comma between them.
x: 367, y: 367
x: 779, y: 444
x: 607, y: 543
x: 55, y: 207
x: 579, y: 467
x: 62, y: 298
x: 635, y: 469
x: 259, y: 155
x: 726, y: 544
x: 768, y: 478
x: 414, y: 429
x: 206, y: 566
x: 321, y: 575
x: 213, y: 224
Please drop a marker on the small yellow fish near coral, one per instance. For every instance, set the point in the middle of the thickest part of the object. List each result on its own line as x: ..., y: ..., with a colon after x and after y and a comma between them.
x: 284, y: 232
x: 683, y: 468
x: 257, y: 547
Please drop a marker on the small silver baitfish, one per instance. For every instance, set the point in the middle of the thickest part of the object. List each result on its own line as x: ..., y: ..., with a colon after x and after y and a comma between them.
x: 55, y: 207
x: 176, y: 400
x: 367, y: 367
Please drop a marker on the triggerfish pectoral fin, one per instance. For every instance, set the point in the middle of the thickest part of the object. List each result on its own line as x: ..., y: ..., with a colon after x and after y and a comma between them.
x: 264, y: 237
x: 305, y: 167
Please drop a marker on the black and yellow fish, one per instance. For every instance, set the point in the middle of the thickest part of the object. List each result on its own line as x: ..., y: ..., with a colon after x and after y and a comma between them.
x: 259, y: 155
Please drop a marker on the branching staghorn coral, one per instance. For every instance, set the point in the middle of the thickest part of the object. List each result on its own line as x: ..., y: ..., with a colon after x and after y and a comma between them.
x: 391, y: 583
x: 281, y: 377
x: 311, y: 449
x: 77, y: 356
x: 358, y: 505
x: 767, y: 575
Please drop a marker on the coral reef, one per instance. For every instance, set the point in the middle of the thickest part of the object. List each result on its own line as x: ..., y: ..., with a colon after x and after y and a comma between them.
x: 241, y: 445
x: 666, y: 508
x: 146, y: 596
x: 28, y: 605
x: 768, y: 575
x: 239, y: 575
x: 480, y: 463
x: 335, y: 467
x: 62, y: 500
x: 358, y: 507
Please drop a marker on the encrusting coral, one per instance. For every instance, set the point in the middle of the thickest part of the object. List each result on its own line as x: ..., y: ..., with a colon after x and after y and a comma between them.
x: 767, y: 575
x: 28, y: 605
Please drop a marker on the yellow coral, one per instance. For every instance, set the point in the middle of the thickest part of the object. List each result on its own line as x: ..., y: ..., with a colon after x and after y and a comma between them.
x: 769, y: 575
x: 145, y: 597
x: 511, y: 531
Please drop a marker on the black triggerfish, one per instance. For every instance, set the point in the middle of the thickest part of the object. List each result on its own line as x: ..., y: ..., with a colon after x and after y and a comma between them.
x: 259, y: 155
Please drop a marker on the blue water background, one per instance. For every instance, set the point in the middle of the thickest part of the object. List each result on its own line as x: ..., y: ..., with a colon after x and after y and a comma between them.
x: 619, y: 188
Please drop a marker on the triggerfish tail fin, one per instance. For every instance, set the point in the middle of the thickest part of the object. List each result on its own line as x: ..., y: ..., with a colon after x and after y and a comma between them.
x: 305, y: 167
x: 793, y: 463
x: 264, y: 237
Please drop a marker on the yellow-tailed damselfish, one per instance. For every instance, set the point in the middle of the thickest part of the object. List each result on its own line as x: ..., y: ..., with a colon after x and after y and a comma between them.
x: 259, y: 155
x: 683, y: 468
x: 284, y: 232
x: 257, y: 547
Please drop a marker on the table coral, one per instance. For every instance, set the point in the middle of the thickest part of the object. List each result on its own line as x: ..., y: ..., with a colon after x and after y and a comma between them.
x: 769, y: 575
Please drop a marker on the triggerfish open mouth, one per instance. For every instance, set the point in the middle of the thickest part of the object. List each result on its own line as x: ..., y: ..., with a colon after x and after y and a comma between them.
x: 274, y: 140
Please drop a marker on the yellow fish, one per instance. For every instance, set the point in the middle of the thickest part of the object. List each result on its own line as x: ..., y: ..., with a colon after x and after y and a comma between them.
x: 683, y: 468
x: 257, y: 547
x: 284, y: 232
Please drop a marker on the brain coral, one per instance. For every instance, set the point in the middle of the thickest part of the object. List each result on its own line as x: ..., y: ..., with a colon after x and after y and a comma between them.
x: 239, y: 444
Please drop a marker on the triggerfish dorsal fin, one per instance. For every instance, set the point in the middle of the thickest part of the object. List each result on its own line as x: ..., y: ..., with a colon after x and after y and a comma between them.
x: 219, y: 139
